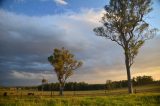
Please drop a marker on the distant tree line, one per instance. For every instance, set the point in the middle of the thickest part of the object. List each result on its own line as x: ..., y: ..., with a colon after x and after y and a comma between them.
x: 137, y: 81
x: 142, y: 80
x: 81, y: 86
x: 72, y: 86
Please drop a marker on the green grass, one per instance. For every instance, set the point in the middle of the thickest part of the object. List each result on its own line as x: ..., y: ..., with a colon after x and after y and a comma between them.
x: 148, y: 95
x: 146, y: 99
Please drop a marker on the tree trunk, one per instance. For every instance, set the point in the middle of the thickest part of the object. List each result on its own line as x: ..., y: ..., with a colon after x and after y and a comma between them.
x: 61, y: 90
x: 130, y: 89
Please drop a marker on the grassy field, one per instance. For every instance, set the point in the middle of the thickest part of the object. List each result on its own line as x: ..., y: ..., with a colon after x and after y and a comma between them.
x: 146, y: 99
x: 146, y: 96
x: 139, y: 89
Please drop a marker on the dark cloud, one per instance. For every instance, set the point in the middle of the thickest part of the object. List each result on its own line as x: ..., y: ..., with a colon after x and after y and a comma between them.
x: 26, y: 42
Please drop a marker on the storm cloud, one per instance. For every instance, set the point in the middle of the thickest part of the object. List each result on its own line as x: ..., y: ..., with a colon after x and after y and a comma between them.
x: 27, y: 41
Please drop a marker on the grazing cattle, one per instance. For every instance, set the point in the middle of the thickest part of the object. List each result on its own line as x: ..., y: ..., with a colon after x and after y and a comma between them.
x: 30, y: 94
x: 5, y: 94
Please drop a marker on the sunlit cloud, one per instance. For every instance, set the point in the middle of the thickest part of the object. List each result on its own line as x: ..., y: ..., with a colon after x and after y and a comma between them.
x: 30, y: 75
x: 61, y: 2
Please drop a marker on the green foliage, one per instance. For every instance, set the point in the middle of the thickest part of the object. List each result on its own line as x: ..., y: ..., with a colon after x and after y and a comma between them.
x: 124, y: 24
x: 141, y: 80
x: 64, y: 64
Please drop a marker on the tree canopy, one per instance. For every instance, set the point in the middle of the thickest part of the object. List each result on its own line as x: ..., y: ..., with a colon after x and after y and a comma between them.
x: 64, y: 64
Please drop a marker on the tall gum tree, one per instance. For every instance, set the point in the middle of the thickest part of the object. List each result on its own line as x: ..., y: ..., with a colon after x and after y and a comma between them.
x: 124, y: 23
x: 64, y: 65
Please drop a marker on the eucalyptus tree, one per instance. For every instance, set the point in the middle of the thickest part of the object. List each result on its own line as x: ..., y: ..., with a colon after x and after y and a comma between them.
x: 64, y: 64
x: 124, y: 23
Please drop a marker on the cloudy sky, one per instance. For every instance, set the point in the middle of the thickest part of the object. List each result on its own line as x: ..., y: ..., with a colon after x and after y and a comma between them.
x: 31, y: 29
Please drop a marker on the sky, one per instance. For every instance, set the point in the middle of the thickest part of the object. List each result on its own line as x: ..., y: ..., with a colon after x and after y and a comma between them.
x: 31, y: 29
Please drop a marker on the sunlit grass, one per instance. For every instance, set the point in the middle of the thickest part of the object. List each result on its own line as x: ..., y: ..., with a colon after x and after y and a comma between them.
x: 149, y: 95
x: 146, y: 99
